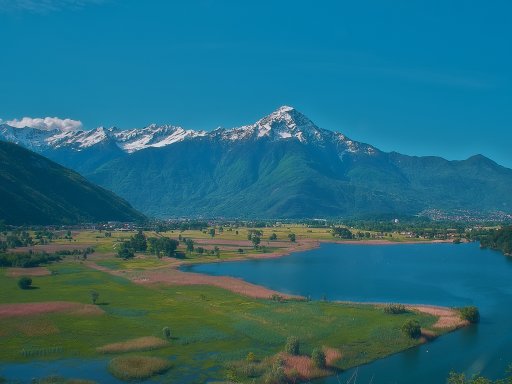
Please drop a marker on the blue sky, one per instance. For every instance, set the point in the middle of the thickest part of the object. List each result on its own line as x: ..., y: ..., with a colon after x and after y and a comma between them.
x: 418, y: 77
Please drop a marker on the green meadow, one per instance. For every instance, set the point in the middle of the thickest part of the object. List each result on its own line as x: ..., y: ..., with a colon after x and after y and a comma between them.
x: 209, y: 326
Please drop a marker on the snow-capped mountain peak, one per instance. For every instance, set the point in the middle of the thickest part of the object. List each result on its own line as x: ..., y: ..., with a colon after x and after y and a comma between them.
x: 285, y: 123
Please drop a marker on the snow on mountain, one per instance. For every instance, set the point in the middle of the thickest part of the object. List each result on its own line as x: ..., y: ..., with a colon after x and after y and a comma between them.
x: 285, y: 123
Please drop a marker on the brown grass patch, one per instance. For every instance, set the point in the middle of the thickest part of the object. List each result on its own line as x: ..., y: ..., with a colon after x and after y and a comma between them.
x: 175, y: 277
x: 137, y: 367
x: 28, y: 309
x: 302, y: 366
x: 332, y: 355
x: 139, y: 344
x: 448, y: 318
x: 37, y: 328
x: 36, y: 271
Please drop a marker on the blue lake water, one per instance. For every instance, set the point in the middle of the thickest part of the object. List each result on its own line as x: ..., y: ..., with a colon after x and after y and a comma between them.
x: 442, y: 274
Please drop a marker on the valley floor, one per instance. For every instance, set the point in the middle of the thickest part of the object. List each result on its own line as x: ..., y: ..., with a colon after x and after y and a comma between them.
x: 220, y: 327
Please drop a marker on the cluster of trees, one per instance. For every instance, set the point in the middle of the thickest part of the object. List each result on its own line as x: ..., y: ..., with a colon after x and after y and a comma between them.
x: 162, y: 246
x: 27, y: 260
x: 500, y: 239
x: 158, y: 246
x: 342, y: 233
x: 15, y: 239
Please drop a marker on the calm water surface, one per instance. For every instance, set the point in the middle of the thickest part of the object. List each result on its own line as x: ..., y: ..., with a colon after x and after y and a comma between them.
x: 442, y: 274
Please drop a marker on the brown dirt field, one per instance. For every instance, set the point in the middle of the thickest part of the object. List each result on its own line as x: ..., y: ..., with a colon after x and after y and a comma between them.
x: 27, y: 309
x: 447, y: 317
x: 36, y: 271
x: 139, y: 344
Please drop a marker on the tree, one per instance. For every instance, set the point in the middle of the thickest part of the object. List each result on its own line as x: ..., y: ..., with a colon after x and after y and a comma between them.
x: 94, y: 296
x: 291, y: 236
x: 255, y: 241
x: 470, y: 314
x: 190, y: 245
x: 412, y: 329
x: 318, y: 357
x: 25, y: 282
x: 212, y: 232
x: 138, y: 242
x: 292, y: 346
x: 273, y: 236
x: 125, y: 252
x: 216, y: 251
x: 342, y: 233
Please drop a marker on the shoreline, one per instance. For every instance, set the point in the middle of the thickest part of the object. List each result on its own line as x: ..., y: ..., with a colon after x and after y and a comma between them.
x: 172, y: 274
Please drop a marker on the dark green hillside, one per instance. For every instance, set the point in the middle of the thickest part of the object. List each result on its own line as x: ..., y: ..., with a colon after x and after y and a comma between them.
x: 35, y: 190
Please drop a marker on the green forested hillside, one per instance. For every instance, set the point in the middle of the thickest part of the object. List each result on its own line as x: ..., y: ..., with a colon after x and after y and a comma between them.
x: 35, y: 190
x: 290, y: 179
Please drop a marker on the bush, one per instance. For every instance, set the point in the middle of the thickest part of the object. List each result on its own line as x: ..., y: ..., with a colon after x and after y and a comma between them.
x: 412, y: 329
x: 25, y: 282
x: 395, y: 309
x: 470, y: 314
x: 167, y: 332
x: 292, y: 346
x: 276, y: 374
x: 318, y: 357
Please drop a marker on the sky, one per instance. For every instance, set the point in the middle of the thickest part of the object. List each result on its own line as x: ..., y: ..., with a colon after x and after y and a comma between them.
x: 417, y: 77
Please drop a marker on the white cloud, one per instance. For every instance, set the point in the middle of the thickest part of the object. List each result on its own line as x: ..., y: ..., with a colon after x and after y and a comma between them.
x: 46, y: 123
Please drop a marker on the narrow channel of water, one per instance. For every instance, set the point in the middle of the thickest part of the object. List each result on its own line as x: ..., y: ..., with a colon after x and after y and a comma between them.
x: 442, y: 274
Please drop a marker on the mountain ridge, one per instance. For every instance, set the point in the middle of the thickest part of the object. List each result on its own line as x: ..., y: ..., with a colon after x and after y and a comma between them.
x: 281, y: 166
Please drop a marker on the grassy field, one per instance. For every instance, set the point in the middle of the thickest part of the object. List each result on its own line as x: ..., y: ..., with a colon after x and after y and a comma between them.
x: 209, y: 326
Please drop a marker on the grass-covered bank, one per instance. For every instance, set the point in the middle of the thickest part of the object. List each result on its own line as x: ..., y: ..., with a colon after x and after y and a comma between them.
x: 209, y: 326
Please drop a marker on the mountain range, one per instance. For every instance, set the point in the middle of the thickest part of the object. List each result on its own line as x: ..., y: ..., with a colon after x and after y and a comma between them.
x: 282, y: 166
x: 35, y: 190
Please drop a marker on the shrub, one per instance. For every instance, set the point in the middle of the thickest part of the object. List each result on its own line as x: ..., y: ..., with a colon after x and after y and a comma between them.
x: 412, y: 329
x: 251, y: 357
x: 318, y: 357
x: 470, y: 314
x: 25, y: 282
x: 276, y: 374
x: 395, y: 309
x: 292, y: 346
x: 167, y: 332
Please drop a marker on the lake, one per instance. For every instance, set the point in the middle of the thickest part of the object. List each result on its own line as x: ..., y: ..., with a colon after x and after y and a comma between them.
x: 440, y: 274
